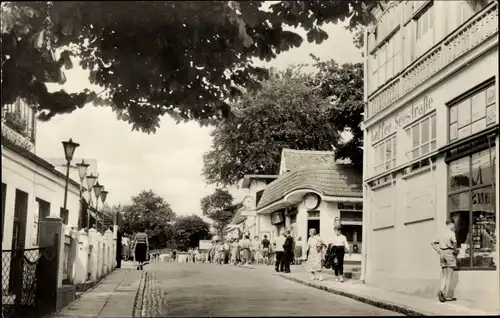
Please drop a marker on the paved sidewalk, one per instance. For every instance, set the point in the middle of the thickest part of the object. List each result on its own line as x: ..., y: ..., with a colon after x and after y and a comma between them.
x: 398, y: 302
x: 115, y: 296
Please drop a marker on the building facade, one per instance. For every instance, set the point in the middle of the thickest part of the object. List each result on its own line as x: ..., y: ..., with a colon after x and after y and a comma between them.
x: 431, y: 145
x: 313, y: 191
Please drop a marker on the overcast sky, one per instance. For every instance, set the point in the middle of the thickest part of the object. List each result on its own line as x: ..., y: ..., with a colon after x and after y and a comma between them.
x: 169, y: 162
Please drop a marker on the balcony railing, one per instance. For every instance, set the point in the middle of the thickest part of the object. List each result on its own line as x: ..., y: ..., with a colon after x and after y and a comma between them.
x: 18, y: 124
x: 479, y: 28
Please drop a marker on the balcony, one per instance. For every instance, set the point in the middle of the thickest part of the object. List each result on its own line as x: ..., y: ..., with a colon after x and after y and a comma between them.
x: 474, y: 32
x: 18, y: 124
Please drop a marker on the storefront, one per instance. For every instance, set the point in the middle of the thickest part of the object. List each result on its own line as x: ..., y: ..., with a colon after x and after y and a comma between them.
x: 434, y: 158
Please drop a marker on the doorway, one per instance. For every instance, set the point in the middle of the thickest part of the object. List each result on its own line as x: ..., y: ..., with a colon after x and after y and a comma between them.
x: 312, y: 224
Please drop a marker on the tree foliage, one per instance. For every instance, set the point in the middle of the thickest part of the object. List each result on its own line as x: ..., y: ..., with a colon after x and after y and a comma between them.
x: 285, y: 113
x: 182, y: 58
x: 218, y: 206
x: 189, y: 230
x: 344, y: 86
x: 152, y: 212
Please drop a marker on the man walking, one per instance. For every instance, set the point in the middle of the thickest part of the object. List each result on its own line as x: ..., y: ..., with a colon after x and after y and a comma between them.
x: 266, y: 250
x: 288, y: 251
x: 280, y: 253
x: 446, y: 247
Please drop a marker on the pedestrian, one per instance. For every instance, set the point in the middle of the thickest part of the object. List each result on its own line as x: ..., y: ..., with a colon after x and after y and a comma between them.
x: 174, y: 255
x: 272, y: 254
x: 446, y: 247
x: 265, y: 247
x: 288, y: 251
x: 220, y: 253
x: 338, y: 247
x: 280, y: 253
x: 245, y: 244
x: 255, y: 250
x: 235, y: 251
x: 119, y: 249
x: 298, y: 251
x: 141, y: 247
x: 314, y: 254
x: 227, y: 248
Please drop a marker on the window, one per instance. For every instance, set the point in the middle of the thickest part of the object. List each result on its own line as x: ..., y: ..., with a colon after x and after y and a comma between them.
x: 425, y: 22
x: 472, y: 114
x: 421, y: 137
x: 472, y: 207
x: 386, y: 62
x: 43, y: 212
x: 424, y: 30
x: 385, y: 154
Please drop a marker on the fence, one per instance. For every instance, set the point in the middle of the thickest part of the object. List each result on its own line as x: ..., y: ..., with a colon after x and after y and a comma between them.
x: 23, y: 271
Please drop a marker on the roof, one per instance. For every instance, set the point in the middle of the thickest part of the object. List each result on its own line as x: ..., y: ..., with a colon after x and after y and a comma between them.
x: 238, y: 218
x: 36, y: 160
x: 328, y: 179
x: 247, y: 179
x: 292, y: 159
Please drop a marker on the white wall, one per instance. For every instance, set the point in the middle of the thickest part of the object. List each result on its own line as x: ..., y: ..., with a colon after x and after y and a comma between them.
x: 20, y: 173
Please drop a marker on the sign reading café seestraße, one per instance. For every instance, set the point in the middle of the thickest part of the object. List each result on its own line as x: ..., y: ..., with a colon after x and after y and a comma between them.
x: 402, y: 118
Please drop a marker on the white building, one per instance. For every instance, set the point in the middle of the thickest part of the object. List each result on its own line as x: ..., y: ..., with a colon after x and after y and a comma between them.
x: 430, y: 141
x: 32, y: 188
x: 312, y: 191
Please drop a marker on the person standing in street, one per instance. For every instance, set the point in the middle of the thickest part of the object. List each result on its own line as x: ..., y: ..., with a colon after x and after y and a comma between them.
x: 245, y: 245
x: 446, y: 247
x: 255, y: 250
x: 119, y: 249
x: 288, y: 251
x: 298, y: 251
x: 339, y: 247
x: 141, y: 247
x: 235, y: 250
x: 265, y: 248
x: 314, y: 254
x: 280, y: 253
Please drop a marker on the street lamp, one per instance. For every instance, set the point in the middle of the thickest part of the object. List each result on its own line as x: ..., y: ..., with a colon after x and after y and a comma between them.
x: 104, y: 194
x: 82, y: 172
x: 97, y: 191
x: 69, y: 151
x: 91, y: 179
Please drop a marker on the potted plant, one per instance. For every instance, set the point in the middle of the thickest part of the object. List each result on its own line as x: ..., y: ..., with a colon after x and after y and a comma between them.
x: 16, y: 121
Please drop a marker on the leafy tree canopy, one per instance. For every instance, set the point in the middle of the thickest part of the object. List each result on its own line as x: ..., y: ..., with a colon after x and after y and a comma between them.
x: 218, y: 206
x: 344, y: 86
x: 182, y: 58
x: 189, y: 230
x: 285, y: 113
x: 152, y: 212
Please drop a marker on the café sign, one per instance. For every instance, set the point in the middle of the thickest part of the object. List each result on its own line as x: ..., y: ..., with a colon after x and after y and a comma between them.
x: 403, y: 118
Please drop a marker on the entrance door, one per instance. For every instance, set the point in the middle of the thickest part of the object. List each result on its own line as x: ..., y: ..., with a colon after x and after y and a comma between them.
x: 313, y: 224
x: 18, y: 239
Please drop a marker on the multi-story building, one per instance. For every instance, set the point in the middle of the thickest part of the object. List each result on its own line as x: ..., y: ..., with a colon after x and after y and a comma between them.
x: 431, y: 145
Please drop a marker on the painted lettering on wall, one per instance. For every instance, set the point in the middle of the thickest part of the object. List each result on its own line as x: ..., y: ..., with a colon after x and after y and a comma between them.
x: 403, y: 118
x: 416, y: 111
x: 350, y: 206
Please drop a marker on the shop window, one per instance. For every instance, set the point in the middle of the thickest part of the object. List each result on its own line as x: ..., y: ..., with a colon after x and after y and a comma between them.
x: 472, y: 114
x: 421, y: 137
x: 385, y: 154
x: 472, y: 207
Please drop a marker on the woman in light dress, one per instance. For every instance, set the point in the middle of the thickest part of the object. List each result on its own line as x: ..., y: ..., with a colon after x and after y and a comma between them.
x: 314, y: 254
x: 235, y: 251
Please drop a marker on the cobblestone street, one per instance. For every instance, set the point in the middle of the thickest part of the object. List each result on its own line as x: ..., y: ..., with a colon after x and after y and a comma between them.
x: 213, y: 290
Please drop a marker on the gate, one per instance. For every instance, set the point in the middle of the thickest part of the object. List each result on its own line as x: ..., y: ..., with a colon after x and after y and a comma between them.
x: 24, y: 281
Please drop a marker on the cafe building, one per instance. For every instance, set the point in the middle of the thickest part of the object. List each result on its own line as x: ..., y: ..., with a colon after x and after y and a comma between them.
x: 431, y: 146
x: 313, y: 191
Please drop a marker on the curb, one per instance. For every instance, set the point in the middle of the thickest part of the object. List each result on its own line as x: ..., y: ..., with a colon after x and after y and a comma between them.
x: 140, y: 295
x: 377, y: 303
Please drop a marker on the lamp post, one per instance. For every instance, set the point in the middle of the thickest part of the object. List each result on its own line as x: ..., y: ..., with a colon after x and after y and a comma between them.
x: 104, y: 194
x: 69, y: 151
x: 97, y: 191
x: 82, y: 172
x: 91, y: 179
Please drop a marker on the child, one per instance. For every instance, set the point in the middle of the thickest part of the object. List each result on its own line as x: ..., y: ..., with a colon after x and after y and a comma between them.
x: 298, y: 251
x: 446, y: 246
